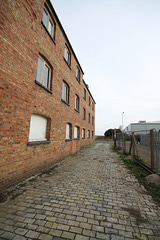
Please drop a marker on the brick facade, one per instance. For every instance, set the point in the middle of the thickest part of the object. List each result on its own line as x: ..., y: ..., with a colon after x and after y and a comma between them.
x: 23, y: 39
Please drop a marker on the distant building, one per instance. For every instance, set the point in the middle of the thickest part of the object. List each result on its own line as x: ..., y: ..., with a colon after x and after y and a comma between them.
x: 142, y: 127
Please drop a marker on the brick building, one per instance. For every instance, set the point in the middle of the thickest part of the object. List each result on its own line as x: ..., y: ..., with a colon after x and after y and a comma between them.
x: 47, y: 109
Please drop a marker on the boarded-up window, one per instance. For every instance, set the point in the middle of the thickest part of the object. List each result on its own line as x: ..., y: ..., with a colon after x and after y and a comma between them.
x: 38, y: 128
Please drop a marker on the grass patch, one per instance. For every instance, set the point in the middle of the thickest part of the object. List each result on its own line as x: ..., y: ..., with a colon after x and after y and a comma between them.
x: 140, y: 173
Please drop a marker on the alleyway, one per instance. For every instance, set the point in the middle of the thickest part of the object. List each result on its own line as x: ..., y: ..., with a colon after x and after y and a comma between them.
x: 88, y: 196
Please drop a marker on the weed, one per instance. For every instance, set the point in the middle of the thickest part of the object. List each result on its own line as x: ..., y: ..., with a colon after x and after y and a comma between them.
x: 141, y: 174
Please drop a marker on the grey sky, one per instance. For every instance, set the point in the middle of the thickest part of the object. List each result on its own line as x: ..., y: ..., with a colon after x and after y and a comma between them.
x: 117, y: 43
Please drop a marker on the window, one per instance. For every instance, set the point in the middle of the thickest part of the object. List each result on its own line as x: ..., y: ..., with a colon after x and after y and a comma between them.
x: 68, y: 131
x: 76, y: 132
x: 92, y: 120
x: 78, y: 74
x: 38, y: 128
x: 84, y: 96
x: 89, y: 101
x: 76, y: 103
x: 93, y: 106
x: 88, y: 134
x: 89, y: 117
x: 65, y: 92
x: 84, y: 113
x: 43, y: 73
x: 67, y: 56
x: 48, y: 23
x: 92, y: 134
x: 83, y: 133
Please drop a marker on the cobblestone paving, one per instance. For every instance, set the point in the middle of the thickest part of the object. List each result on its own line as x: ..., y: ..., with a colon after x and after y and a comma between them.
x: 88, y: 196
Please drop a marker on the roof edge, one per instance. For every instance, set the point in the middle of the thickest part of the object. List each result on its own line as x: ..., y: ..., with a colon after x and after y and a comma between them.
x: 63, y: 31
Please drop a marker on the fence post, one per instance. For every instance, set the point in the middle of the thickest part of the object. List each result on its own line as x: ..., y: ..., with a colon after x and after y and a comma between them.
x: 133, y: 142
x: 124, y: 143
x: 114, y: 138
x: 152, y: 148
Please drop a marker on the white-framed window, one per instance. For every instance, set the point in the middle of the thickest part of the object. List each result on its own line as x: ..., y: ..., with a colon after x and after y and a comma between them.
x: 76, y: 103
x: 44, y: 73
x: 38, y: 128
x: 84, y: 96
x: 88, y: 134
x: 89, y: 117
x: 76, y: 132
x: 78, y: 74
x: 83, y: 133
x: 65, y: 92
x: 84, y: 113
x: 67, y: 55
x: 48, y: 23
x: 68, y: 131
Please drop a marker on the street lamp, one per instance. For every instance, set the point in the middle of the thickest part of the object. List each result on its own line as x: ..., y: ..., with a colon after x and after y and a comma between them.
x: 122, y: 120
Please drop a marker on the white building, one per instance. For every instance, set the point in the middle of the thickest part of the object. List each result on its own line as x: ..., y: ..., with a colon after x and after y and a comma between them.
x: 142, y: 127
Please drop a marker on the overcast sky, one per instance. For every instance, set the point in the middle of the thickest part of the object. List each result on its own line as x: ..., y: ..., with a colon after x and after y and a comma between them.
x: 117, y: 43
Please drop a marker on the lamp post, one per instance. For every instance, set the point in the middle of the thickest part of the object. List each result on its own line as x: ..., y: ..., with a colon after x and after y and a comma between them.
x: 122, y: 120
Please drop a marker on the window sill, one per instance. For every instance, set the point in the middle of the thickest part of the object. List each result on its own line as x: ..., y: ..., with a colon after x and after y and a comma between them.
x: 83, y: 138
x: 84, y: 119
x: 48, y: 33
x: 65, y: 102
x: 68, y: 140
x: 67, y: 64
x: 76, y: 138
x: 76, y: 110
x: 39, y: 84
x: 37, y: 143
x: 84, y: 99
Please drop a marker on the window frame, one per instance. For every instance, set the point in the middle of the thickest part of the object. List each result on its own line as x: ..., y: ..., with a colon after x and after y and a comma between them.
x: 84, y: 94
x: 89, y: 117
x: 68, y: 133
x: 42, y: 71
x: 77, y: 132
x: 42, y: 123
x: 88, y: 134
x: 66, y: 87
x: 89, y: 101
x: 67, y: 56
x: 84, y: 114
x: 93, y: 106
x: 77, y: 102
x: 92, y: 134
x: 51, y: 20
x: 83, y: 133
x: 78, y: 74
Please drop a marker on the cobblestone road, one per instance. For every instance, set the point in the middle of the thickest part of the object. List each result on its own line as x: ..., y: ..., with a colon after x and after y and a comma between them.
x: 88, y: 196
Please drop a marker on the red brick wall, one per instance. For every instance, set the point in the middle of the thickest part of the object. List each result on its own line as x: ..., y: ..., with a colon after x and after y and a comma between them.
x: 23, y: 37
